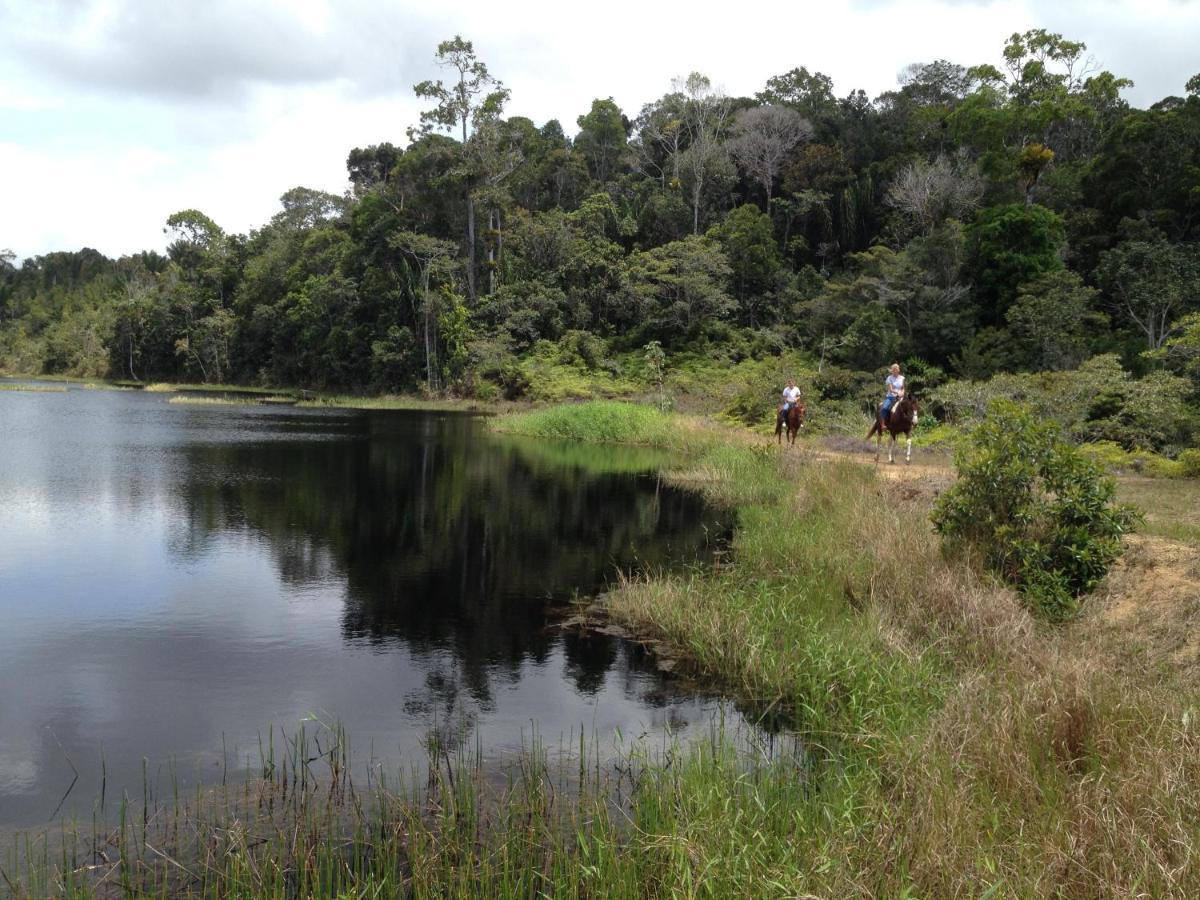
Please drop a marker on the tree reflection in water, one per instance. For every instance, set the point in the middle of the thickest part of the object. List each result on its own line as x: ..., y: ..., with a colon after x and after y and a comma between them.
x: 448, y: 539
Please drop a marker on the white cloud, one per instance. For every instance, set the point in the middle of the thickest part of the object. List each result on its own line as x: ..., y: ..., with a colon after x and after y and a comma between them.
x: 114, y: 115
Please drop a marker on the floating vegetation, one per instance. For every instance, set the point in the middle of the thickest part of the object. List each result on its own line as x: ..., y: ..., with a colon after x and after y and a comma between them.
x: 35, y: 388
x: 213, y: 401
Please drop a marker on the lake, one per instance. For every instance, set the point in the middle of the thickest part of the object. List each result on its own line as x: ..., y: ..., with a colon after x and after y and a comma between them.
x: 178, y: 580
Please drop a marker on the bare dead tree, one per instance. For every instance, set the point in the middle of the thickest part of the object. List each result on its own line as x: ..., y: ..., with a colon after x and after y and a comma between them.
x: 928, y: 193
x: 764, y: 135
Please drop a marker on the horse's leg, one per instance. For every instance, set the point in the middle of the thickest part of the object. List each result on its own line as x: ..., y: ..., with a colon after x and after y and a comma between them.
x: 908, y: 449
x: 892, y: 449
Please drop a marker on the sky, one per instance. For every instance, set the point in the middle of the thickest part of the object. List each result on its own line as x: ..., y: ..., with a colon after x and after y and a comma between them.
x: 116, y: 113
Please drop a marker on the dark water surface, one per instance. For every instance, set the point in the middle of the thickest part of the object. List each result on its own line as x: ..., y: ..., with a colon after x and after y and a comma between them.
x: 176, y: 579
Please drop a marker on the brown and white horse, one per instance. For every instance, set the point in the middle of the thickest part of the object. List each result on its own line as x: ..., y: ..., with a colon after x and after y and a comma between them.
x: 901, y: 421
x: 794, y: 422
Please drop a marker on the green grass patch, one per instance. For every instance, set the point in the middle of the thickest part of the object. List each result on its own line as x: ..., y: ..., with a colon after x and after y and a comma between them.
x: 184, y: 400
x: 607, y: 422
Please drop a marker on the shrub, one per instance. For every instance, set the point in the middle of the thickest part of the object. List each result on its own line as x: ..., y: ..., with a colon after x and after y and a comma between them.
x: 1039, y: 511
x: 1189, y: 463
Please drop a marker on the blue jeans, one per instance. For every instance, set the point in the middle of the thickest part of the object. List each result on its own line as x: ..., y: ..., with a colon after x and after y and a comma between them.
x: 888, y: 402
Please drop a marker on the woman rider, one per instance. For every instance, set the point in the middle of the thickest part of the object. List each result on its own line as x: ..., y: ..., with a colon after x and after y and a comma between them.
x: 895, y: 391
x: 791, y: 395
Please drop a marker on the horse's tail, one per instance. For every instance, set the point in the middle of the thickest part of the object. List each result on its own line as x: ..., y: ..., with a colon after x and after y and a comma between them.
x: 877, y: 427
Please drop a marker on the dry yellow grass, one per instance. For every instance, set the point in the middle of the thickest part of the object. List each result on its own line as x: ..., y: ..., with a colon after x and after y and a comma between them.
x: 1060, y: 761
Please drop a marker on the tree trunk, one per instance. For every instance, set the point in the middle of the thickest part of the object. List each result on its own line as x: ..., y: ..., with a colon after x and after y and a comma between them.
x: 470, y: 217
x: 428, y: 348
x: 470, y: 244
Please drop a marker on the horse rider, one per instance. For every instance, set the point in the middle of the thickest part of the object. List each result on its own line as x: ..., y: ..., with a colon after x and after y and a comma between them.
x: 894, y: 385
x: 791, y: 396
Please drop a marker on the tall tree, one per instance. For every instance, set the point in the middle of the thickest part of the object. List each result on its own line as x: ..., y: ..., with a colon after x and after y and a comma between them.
x: 705, y: 117
x: 1151, y: 282
x: 427, y: 254
x: 926, y: 194
x: 601, y: 139
x: 473, y: 94
x: 763, y: 137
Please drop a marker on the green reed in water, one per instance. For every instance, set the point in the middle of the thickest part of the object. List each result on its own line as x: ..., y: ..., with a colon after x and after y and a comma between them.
x: 569, y: 823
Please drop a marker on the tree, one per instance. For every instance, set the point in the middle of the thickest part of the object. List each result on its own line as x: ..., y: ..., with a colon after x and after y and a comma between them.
x: 1010, y: 245
x: 472, y: 95
x: 748, y: 239
x: 680, y: 286
x: 1181, y: 351
x: 1048, y: 95
x: 1147, y: 169
x: 705, y: 113
x: 371, y: 167
x: 927, y: 194
x: 659, y: 141
x: 764, y: 136
x: 601, y: 139
x: 427, y: 254
x: 1151, y: 282
x: 305, y: 208
x: 1053, y: 319
x: 808, y: 93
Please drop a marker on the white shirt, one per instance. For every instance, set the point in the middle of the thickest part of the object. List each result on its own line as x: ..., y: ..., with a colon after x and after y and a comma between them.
x: 791, y: 394
x: 895, y: 385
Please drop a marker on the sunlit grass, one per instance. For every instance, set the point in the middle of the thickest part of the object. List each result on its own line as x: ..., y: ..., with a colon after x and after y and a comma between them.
x: 33, y: 388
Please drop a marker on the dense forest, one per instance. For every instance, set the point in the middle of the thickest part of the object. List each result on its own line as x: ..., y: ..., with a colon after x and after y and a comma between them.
x: 972, y: 222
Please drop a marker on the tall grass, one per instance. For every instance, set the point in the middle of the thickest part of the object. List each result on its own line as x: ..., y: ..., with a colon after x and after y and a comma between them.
x: 610, y: 422
x: 567, y: 822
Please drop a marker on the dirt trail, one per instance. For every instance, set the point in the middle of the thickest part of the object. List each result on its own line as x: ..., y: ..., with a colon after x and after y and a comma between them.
x: 1148, y: 608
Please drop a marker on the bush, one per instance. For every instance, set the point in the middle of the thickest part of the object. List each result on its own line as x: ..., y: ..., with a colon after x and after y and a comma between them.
x: 1189, y: 463
x: 1041, y: 513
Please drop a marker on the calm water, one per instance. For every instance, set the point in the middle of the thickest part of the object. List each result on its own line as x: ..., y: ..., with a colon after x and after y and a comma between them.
x: 177, y: 579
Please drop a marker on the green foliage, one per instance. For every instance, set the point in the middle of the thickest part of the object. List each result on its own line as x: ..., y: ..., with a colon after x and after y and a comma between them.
x: 601, y: 140
x: 1181, y: 351
x: 1012, y: 245
x: 1189, y: 463
x: 1052, y: 322
x: 1041, y: 514
x: 594, y: 247
x: 603, y: 421
x: 1151, y: 282
x: 679, y: 287
x: 747, y: 237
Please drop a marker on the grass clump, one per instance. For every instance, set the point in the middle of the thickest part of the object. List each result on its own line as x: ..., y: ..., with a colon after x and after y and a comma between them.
x: 606, y: 421
x: 34, y: 388
x: 183, y: 399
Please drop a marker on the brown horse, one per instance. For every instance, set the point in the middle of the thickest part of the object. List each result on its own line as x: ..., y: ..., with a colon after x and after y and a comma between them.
x: 794, y: 421
x: 901, y: 421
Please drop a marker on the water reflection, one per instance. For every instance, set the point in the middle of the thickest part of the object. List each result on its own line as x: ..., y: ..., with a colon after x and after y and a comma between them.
x: 173, y: 579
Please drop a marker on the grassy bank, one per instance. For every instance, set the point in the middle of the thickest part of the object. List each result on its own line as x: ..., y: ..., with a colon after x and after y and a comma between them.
x: 971, y: 749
